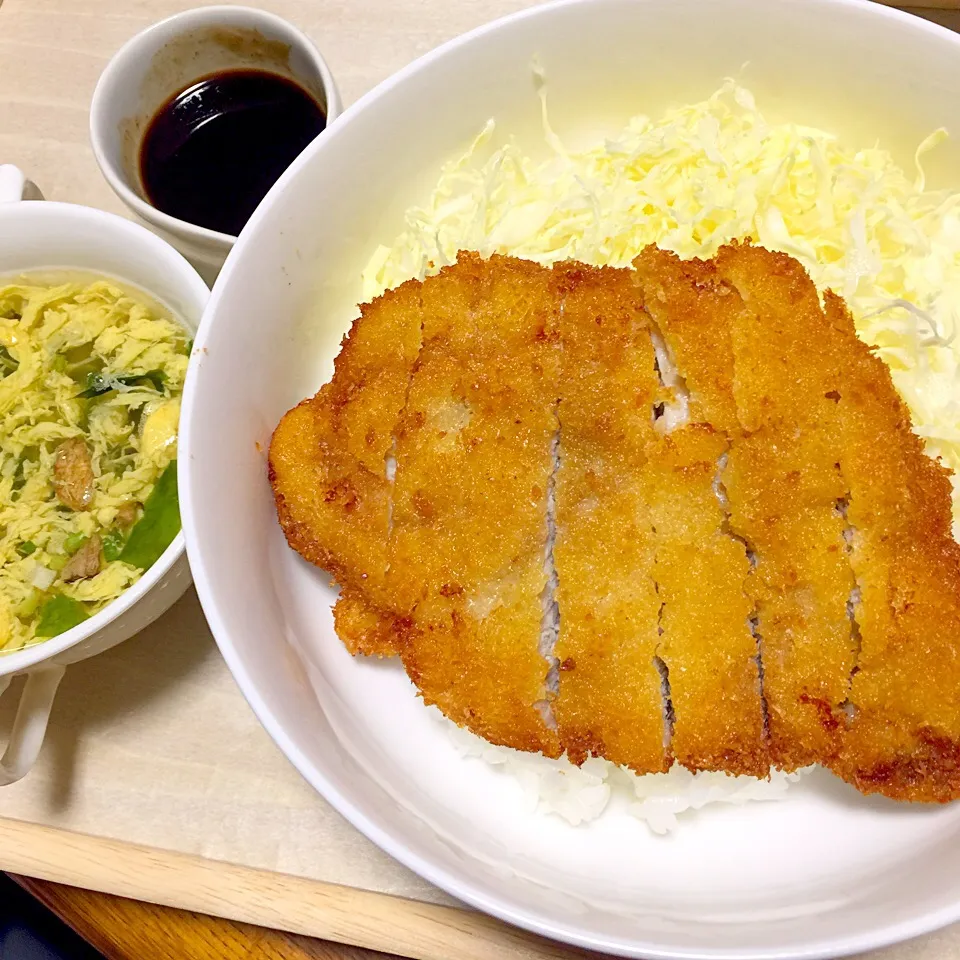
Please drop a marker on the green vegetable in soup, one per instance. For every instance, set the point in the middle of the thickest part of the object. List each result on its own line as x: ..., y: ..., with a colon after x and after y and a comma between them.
x: 97, y: 383
x: 59, y: 614
x: 73, y: 543
x: 158, y: 526
x: 112, y: 546
x: 7, y: 363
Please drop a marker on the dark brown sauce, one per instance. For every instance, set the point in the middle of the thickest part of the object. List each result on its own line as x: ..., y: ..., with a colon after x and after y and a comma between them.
x: 212, y: 151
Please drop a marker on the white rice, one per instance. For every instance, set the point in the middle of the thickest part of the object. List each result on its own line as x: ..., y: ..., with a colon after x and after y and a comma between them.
x: 582, y: 794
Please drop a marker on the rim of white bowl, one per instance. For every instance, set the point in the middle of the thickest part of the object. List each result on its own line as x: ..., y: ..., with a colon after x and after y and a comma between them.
x: 21, y: 660
x: 448, y: 880
x: 112, y: 73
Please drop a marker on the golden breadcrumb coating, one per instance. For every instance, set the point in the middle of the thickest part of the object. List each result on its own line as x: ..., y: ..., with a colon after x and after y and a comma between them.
x: 702, y: 568
x: 786, y: 498
x: 470, y: 499
x: 691, y: 308
x: 364, y: 627
x: 328, y: 456
x: 610, y: 702
x: 904, y: 736
x: 781, y: 564
x: 707, y: 644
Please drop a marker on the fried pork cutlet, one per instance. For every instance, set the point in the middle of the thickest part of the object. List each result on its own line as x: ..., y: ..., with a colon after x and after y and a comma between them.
x: 329, y: 463
x: 787, y: 495
x: 904, y: 736
x: 770, y: 583
x: 702, y: 569
x: 467, y: 549
x: 609, y: 702
x: 707, y: 644
x: 363, y: 626
x: 779, y: 474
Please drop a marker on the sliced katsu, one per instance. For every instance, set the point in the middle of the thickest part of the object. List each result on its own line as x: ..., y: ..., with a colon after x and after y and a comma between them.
x: 669, y: 514
x: 707, y: 645
x: 740, y: 343
x: 610, y: 701
x: 903, y: 739
x: 787, y: 497
x: 329, y: 463
x: 710, y: 646
x: 467, y: 549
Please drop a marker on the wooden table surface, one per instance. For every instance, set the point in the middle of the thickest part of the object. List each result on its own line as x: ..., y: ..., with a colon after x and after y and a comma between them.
x: 125, y: 929
x: 130, y: 930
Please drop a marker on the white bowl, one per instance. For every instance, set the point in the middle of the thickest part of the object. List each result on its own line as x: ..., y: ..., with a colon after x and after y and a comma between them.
x: 41, y: 236
x: 827, y: 872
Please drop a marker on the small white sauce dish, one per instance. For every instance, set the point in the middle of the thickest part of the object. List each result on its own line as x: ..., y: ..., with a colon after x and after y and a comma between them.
x: 163, y: 60
x: 39, y: 237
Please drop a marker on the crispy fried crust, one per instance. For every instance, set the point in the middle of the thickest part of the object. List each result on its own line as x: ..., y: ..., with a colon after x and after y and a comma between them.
x: 470, y: 499
x: 609, y: 701
x: 799, y: 453
x: 364, y: 628
x: 786, y: 495
x: 693, y: 310
x: 702, y: 569
x: 707, y: 645
x: 904, y: 738
x: 328, y: 457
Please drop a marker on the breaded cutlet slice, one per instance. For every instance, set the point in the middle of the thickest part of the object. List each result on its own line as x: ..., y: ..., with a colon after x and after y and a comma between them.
x: 692, y: 309
x: 467, y: 549
x: 903, y: 739
x: 801, y: 586
x: 609, y: 702
x: 707, y: 645
x: 702, y: 571
x: 328, y: 459
x: 786, y: 496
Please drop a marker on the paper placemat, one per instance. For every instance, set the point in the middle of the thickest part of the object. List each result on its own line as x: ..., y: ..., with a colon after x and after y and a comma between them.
x: 152, y: 743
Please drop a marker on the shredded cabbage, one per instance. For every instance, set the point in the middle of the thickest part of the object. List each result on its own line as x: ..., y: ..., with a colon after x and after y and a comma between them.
x: 87, y: 362
x: 706, y: 174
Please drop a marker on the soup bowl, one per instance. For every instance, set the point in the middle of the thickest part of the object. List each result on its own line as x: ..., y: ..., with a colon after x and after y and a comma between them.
x: 38, y: 237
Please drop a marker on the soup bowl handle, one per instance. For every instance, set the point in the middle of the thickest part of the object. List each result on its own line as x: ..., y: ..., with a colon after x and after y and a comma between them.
x: 15, y: 186
x: 30, y: 724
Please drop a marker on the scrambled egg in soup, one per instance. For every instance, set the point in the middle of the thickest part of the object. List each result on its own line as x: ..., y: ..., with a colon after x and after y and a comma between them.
x: 90, y: 383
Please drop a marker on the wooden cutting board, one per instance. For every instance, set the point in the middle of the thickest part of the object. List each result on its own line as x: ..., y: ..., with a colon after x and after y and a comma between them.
x: 929, y: 5
x: 343, y: 914
x: 156, y: 781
